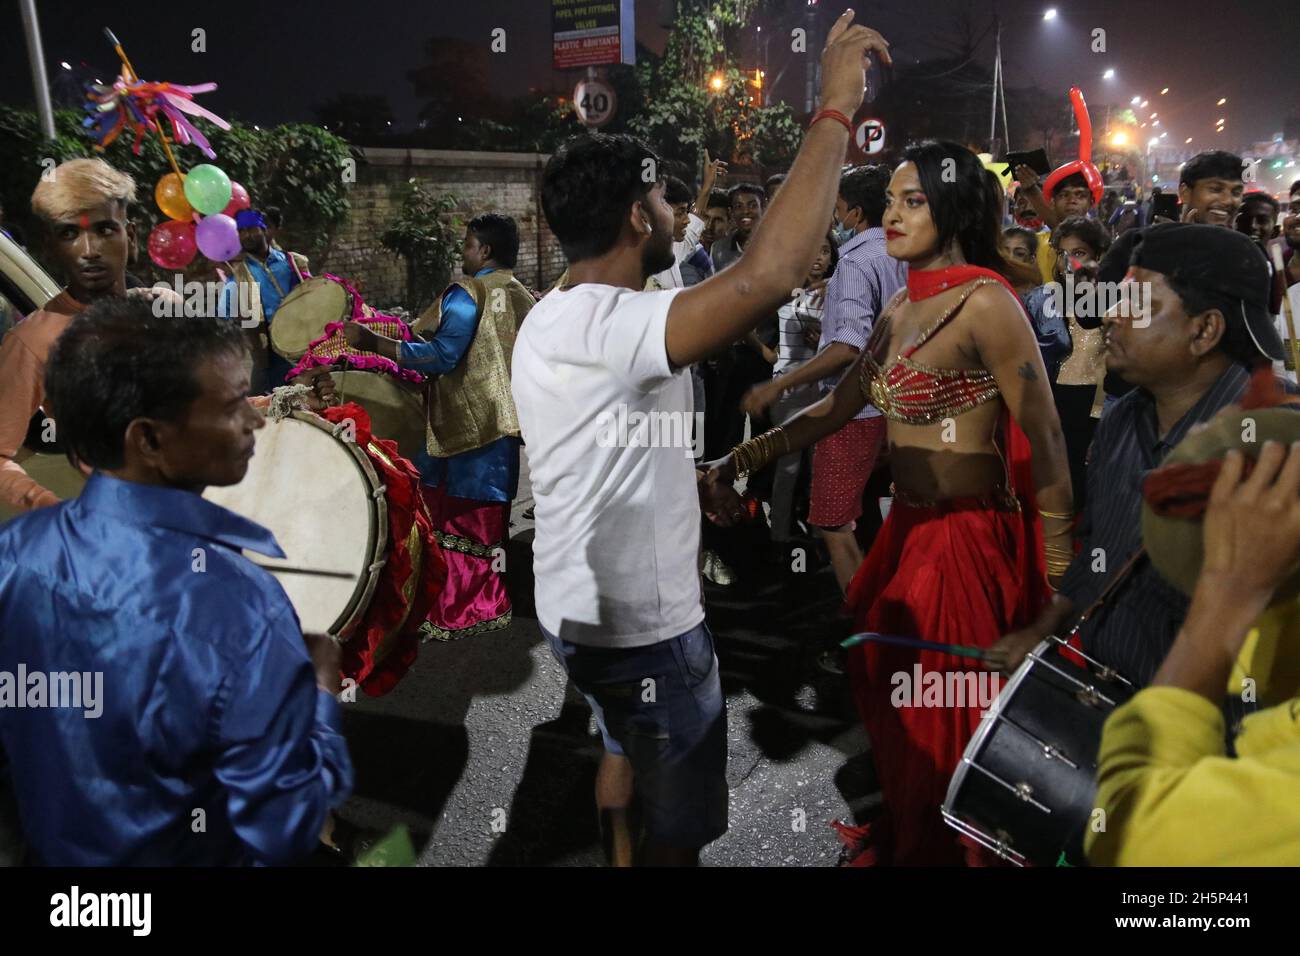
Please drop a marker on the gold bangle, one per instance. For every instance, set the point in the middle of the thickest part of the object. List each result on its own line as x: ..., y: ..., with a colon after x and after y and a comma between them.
x: 755, y: 454
x: 1064, y: 516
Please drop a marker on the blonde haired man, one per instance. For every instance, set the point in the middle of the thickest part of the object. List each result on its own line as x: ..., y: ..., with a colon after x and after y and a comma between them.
x: 82, y: 208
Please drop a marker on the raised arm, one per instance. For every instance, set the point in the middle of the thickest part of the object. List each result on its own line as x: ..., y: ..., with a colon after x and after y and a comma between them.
x: 1028, y: 180
x: 721, y: 310
x: 714, y: 170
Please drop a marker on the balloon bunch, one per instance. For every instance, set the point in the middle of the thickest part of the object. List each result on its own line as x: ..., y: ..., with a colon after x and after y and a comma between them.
x: 201, y: 206
x: 1084, y: 163
x: 206, y: 190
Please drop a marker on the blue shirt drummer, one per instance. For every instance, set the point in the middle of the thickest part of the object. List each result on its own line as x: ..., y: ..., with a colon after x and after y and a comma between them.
x: 196, y: 690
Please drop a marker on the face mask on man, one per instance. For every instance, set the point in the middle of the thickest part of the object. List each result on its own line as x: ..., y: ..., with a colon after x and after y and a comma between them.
x: 841, y: 232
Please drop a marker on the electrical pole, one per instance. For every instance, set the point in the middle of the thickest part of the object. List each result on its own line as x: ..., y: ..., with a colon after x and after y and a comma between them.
x: 997, y: 81
x: 35, y: 54
x: 810, y: 69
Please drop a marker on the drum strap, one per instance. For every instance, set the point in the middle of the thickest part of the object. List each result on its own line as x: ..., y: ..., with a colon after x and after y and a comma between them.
x: 1113, y: 585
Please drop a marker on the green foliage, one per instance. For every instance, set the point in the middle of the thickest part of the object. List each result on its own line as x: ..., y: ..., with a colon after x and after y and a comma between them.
x: 682, y: 114
x: 776, y: 136
x: 428, y: 237
x: 299, y: 168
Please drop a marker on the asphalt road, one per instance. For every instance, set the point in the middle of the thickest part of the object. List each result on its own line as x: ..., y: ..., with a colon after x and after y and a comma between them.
x: 488, y: 758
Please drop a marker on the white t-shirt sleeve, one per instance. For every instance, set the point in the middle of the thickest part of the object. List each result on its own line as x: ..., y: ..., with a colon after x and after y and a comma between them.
x: 632, y: 337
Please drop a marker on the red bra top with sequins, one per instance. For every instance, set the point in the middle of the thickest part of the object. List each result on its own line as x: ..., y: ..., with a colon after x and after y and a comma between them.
x: 914, y: 394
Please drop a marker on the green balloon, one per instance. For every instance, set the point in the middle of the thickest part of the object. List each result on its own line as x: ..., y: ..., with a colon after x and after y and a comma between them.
x: 208, y: 189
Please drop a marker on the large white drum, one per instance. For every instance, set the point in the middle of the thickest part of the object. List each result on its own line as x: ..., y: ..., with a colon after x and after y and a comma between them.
x: 321, y: 498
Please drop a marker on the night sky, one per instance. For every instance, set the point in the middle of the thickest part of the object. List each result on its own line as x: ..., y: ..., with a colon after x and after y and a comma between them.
x: 274, y: 61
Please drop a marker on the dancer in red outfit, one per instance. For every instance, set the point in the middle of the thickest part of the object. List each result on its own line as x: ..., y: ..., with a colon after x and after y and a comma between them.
x: 974, y: 443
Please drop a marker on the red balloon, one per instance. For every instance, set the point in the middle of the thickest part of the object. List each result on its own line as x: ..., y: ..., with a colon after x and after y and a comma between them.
x: 238, y: 200
x: 172, y: 244
x: 1084, y: 164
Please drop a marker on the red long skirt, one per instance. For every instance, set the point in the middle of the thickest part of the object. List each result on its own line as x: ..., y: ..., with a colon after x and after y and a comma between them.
x: 963, y: 572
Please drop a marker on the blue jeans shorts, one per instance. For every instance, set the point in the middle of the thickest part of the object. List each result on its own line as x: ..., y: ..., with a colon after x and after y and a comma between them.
x: 662, y: 707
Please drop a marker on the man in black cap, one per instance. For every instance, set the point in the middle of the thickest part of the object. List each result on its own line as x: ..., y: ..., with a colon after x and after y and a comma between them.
x: 1187, y: 356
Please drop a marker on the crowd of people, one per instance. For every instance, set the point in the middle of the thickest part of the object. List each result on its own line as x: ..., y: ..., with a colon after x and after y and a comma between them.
x: 955, y: 392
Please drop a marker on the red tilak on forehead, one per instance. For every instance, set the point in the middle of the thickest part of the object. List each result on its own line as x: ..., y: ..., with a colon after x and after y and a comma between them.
x: 85, y: 221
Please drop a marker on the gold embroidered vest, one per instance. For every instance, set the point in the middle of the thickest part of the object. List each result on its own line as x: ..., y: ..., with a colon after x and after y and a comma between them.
x: 471, y: 405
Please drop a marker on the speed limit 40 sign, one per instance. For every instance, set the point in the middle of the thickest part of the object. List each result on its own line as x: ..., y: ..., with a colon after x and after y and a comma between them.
x: 595, y: 102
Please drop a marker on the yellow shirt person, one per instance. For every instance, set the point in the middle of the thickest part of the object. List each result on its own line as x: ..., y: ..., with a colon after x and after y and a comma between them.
x: 1171, y: 795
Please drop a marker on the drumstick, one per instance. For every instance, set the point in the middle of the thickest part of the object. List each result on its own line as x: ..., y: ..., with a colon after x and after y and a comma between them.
x: 957, y: 650
x: 314, y: 572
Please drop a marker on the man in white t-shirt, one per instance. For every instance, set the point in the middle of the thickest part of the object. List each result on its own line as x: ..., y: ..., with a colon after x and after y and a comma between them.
x: 604, y: 399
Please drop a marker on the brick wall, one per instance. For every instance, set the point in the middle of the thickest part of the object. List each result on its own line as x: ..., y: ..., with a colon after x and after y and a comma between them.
x: 507, y: 183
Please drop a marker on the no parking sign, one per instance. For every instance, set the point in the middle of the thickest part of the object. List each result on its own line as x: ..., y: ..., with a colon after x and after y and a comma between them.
x: 870, y: 136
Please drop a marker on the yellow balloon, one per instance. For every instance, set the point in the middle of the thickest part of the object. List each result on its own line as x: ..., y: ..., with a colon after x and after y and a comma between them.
x: 170, y: 196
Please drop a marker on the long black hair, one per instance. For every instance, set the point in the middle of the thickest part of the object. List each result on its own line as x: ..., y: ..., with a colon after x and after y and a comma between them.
x: 964, y: 200
x: 835, y: 256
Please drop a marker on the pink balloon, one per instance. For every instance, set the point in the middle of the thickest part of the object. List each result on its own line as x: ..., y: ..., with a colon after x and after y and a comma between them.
x: 217, y: 237
x: 238, y: 200
x: 173, y: 245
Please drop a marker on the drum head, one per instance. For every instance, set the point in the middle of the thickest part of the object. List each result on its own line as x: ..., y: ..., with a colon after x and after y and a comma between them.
x: 316, y: 494
x: 304, y: 313
x: 396, y: 408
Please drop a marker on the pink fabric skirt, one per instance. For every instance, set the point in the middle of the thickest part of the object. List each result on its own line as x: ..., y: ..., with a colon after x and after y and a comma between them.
x: 472, y: 535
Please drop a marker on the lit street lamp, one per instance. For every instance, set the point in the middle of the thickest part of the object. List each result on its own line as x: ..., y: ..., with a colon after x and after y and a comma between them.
x: 1050, y: 14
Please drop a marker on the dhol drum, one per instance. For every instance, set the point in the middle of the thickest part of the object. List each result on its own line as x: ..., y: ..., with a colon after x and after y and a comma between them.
x: 309, y: 323
x: 322, y: 499
x: 304, y: 313
x: 1026, y: 784
x: 396, y: 408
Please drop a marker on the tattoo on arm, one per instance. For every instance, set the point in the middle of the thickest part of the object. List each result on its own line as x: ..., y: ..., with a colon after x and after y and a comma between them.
x: 1027, y: 372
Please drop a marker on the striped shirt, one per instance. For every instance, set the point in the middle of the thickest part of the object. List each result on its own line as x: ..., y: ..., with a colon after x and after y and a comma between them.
x: 792, y: 318
x: 1135, y: 629
x: 865, y: 279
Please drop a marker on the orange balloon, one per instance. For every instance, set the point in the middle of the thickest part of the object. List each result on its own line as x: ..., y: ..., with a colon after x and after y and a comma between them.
x: 170, y: 196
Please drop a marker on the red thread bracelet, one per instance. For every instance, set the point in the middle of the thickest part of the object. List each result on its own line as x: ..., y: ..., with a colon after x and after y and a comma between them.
x: 835, y: 115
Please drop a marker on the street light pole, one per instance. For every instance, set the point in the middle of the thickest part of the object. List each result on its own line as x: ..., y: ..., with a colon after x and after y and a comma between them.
x: 35, y: 54
x: 997, y: 68
x: 810, y: 70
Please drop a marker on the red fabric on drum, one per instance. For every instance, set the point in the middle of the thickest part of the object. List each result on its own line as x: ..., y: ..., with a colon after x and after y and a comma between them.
x: 384, y: 643
x: 963, y: 572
